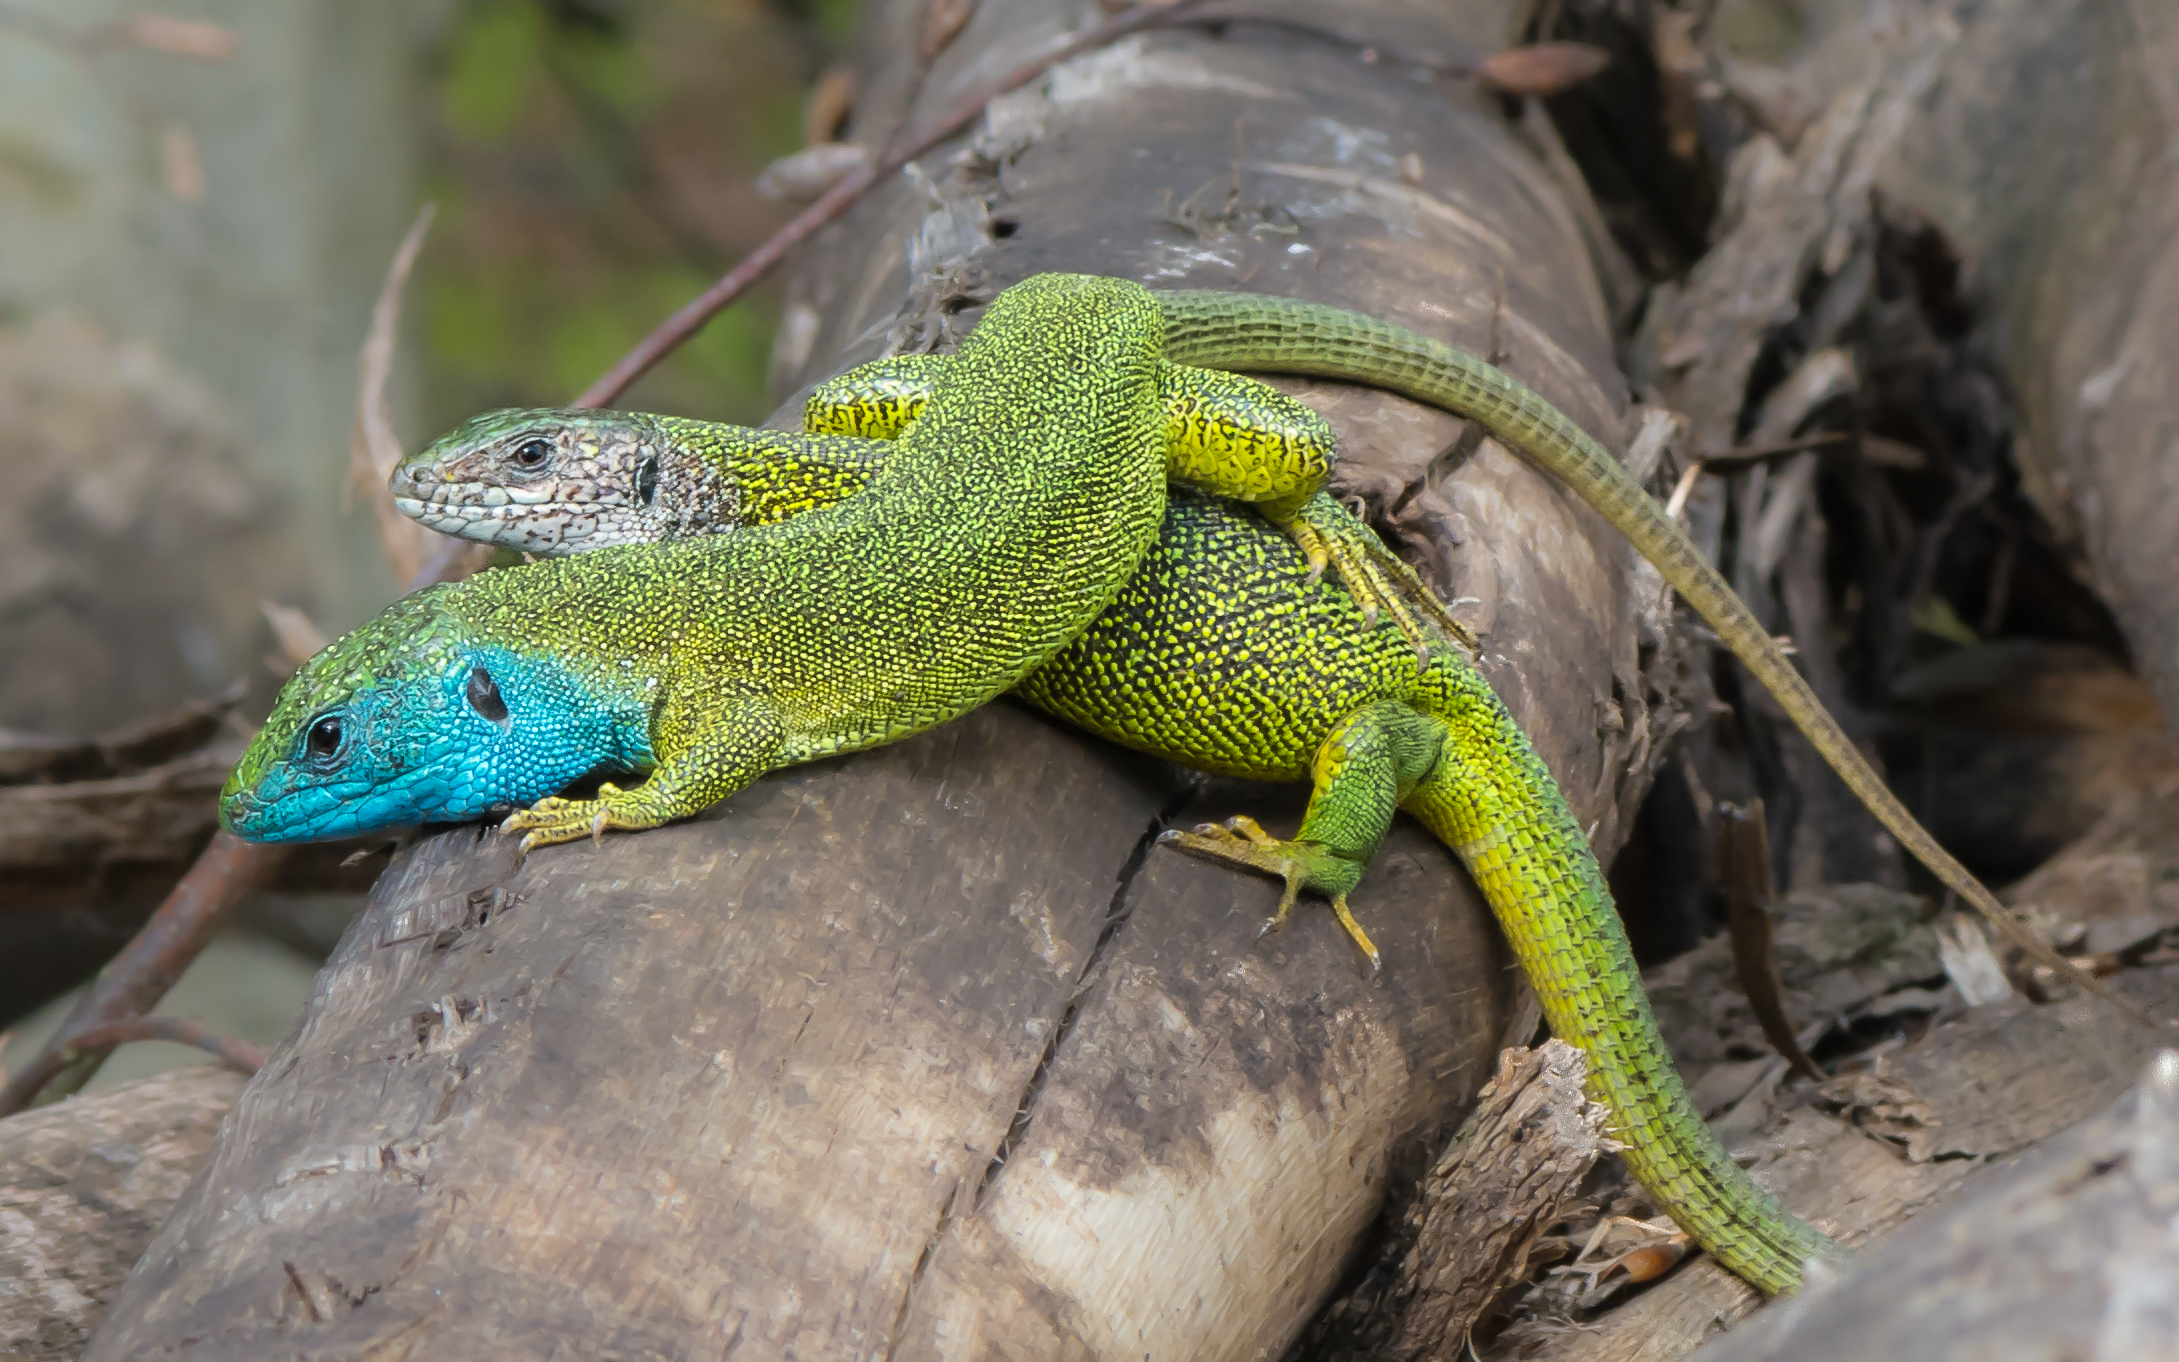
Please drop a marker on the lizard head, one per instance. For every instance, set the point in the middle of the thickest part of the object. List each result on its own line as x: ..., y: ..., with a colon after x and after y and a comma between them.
x: 411, y: 719
x: 545, y: 482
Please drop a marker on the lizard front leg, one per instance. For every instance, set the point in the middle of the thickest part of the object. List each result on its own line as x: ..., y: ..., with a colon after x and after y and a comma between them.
x: 876, y: 401
x: 708, y: 748
x: 1240, y: 438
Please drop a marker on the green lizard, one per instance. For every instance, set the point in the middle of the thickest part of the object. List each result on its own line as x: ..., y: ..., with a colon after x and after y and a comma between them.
x: 1261, y: 334
x: 1218, y: 655
x: 1206, y: 660
x: 1406, y: 739
x: 1004, y: 522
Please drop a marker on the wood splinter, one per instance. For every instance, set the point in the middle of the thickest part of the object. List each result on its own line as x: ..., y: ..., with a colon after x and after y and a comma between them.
x: 1513, y: 1171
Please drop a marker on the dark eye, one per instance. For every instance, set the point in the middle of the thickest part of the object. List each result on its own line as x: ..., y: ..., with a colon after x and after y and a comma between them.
x: 323, y: 739
x: 484, y: 696
x: 533, y: 453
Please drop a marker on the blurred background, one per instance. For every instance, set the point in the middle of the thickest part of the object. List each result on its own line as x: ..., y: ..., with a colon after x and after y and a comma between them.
x: 198, y: 201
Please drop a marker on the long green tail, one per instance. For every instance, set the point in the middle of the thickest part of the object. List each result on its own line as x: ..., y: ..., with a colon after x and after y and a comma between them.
x: 1493, y: 802
x: 1278, y: 335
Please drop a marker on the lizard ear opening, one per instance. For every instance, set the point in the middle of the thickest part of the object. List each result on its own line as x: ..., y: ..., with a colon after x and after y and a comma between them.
x: 647, y: 479
x: 483, y: 696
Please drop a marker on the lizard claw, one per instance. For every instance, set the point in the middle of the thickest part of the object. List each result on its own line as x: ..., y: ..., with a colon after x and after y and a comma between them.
x: 1379, y: 580
x: 552, y: 820
x: 1242, y: 843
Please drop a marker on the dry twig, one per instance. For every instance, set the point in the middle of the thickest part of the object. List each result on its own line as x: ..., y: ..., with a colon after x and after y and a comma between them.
x: 675, y: 330
x: 136, y: 979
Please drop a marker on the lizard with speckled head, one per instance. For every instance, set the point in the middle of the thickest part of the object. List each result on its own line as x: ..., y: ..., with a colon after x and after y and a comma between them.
x: 1217, y: 655
x: 1004, y: 522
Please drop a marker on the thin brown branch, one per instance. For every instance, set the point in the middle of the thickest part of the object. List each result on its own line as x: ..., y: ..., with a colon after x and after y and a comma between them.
x: 1745, y: 457
x: 240, y: 1055
x: 134, y: 981
x: 677, y: 329
x: 373, y: 447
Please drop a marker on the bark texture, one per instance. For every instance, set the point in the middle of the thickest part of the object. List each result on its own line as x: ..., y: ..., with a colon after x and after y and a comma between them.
x: 1513, y: 1172
x: 2073, y: 1253
x: 924, y: 1053
x: 83, y: 1186
x: 1883, y: 1146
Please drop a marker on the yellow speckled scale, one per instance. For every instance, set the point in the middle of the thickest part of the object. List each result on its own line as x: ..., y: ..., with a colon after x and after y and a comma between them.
x: 875, y: 401
x: 1281, y: 335
x: 1209, y: 658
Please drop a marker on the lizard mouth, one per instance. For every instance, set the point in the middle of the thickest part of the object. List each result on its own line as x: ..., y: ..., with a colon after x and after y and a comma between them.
x: 446, y: 519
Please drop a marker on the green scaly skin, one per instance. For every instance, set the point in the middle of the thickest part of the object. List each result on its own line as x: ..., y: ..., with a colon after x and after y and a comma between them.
x: 1218, y: 655
x: 1279, y: 335
x: 1282, y: 336
x: 1001, y: 525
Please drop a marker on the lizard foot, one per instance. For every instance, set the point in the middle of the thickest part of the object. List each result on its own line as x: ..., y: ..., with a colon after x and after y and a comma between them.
x: 1379, y: 579
x: 1243, y: 844
x: 553, y: 819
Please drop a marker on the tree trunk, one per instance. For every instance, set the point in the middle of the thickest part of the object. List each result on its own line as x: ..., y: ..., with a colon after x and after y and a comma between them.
x: 926, y: 1052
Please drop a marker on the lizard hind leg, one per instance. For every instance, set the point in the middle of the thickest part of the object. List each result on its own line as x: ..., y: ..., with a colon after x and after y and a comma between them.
x: 1361, y: 773
x: 1243, y: 844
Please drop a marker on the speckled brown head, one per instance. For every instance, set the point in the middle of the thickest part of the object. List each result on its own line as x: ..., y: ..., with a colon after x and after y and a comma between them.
x: 554, y: 482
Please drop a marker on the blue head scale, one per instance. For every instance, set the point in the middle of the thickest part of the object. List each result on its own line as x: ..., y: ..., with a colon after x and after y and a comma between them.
x: 412, y: 719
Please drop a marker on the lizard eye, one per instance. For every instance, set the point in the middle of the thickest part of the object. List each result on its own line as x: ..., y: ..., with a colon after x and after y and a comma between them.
x: 322, y: 740
x: 533, y: 453
x: 483, y: 696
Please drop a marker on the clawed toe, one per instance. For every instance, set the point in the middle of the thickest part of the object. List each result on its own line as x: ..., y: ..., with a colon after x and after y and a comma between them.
x: 553, y: 820
x: 1241, y: 842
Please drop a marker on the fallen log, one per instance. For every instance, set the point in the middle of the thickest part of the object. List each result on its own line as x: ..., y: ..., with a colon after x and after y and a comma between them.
x: 925, y: 1051
x: 83, y: 1186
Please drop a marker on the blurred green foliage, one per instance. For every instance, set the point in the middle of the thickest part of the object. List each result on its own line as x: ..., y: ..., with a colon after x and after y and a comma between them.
x: 592, y: 160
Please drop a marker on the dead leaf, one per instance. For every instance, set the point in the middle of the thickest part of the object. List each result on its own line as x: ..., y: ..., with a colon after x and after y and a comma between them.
x: 1969, y: 962
x: 1653, y: 1260
x: 1879, y: 1102
x: 1680, y: 66
x: 299, y: 639
x: 825, y: 112
x: 1542, y: 68
x: 943, y: 21
x: 180, y: 164
x: 1744, y: 869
